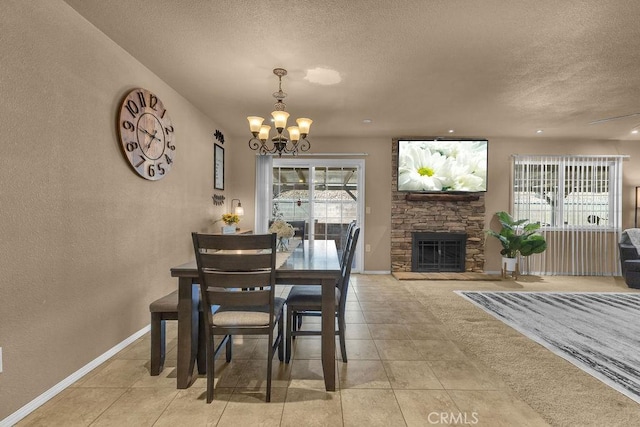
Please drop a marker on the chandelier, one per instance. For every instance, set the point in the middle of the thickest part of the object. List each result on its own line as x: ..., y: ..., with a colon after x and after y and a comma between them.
x: 280, y: 142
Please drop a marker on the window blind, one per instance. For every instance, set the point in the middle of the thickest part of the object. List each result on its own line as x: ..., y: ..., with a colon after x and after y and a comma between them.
x: 577, y: 200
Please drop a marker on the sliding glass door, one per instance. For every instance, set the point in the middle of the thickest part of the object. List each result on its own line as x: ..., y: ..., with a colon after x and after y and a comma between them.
x: 324, y: 193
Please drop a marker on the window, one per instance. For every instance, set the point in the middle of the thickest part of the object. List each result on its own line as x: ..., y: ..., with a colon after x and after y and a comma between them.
x: 577, y: 199
x: 567, y: 191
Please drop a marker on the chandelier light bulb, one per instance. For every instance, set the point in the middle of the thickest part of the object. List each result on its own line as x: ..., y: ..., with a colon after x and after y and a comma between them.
x: 294, y: 134
x: 264, y: 133
x: 254, y: 124
x: 304, y: 124
x: 280, y: 119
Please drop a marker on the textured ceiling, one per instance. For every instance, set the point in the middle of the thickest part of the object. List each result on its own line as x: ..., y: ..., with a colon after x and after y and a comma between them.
x: 415, y: 67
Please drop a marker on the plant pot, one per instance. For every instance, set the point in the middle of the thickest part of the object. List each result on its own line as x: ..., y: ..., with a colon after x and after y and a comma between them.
x: 509, y: 264
x: 229, y: 229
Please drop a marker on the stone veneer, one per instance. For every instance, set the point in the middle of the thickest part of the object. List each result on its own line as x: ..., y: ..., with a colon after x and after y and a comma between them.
x: 434, y: 213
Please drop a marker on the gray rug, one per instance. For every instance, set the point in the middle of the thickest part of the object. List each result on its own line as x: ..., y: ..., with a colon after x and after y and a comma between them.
x: 597, y: 332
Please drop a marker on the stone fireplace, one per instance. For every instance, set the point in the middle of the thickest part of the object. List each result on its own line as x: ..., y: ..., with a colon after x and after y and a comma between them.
x: 434, y: 213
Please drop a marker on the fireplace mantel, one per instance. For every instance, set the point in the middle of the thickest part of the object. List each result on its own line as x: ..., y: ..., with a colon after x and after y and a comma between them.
x: 445, y: 197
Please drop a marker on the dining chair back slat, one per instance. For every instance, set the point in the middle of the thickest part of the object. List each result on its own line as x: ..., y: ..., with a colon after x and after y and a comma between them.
x: 236, y: 261
x: 231, y: 242
x: 237, y: 279
x: 240, y: 298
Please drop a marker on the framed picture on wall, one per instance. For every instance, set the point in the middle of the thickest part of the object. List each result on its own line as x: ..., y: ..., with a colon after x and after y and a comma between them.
x: 218, y: 167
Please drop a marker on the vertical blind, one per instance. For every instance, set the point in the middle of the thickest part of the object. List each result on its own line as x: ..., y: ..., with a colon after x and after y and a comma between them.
x: 577, y: 200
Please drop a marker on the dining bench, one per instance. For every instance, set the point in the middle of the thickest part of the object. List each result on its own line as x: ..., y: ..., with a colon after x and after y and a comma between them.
x: 163, y: 309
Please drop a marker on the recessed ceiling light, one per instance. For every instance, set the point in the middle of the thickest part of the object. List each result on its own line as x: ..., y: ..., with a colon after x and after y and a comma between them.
x: 634, y: 131
x: 539, y: 131
x: 450, y: 130
x: 367, y: 121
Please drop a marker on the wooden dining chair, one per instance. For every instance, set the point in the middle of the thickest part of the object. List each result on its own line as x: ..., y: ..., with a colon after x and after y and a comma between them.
x: 347, y: 238
x: 306, y: 300
x: 237, y: 285
x: 342, y: 254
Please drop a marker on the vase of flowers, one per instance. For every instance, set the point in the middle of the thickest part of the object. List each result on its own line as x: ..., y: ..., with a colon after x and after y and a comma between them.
x: 230, y: 220
x: 284, y: 231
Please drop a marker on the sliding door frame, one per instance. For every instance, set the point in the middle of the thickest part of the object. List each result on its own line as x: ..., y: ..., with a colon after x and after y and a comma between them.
x: 311, y: 164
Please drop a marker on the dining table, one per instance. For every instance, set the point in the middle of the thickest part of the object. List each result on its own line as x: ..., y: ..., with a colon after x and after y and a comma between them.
x: 312, y: 262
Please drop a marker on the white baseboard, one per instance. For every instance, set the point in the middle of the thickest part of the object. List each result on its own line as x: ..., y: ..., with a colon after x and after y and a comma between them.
x: 376, y: 272
x: 49, y: 394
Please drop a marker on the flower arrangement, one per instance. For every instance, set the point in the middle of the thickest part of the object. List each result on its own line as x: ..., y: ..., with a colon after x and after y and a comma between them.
x: 283, y: 229
x: 230, y: 218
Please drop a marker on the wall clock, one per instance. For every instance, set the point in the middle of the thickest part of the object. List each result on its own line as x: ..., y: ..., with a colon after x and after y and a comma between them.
x: 146, y: 134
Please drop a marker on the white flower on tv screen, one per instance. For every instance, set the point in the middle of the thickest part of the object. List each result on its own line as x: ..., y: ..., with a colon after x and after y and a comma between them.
x: 442, y: 166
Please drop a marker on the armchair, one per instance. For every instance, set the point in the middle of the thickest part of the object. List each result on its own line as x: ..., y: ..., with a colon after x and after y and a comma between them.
x: 629, y: 257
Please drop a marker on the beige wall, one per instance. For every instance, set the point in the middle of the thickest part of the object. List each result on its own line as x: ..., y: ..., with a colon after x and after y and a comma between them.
x: 86, y: 244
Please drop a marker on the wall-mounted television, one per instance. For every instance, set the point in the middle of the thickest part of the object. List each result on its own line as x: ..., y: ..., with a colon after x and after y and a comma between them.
x: 443, y: 165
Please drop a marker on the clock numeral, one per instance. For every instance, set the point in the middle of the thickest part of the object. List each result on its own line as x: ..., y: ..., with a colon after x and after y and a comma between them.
x: 170, y: 147
x: 142, y: 160
x: 163, y: 113
x: 141, y: 98
x: 151, y: 170
x: 132, y: 146
x: 161, y: 169
x: 168, y: 159
x: 132, y: 107
x: 168, y: 129
x: 128, y: 125
x: 153, y: 101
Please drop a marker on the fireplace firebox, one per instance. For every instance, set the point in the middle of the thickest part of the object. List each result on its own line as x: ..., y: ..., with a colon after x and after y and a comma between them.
x: 438, y: 252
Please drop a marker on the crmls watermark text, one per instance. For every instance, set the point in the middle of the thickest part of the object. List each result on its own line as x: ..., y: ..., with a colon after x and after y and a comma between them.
x: 453, y: 418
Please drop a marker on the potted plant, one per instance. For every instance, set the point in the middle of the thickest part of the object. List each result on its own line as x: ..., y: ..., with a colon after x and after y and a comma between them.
x: 517, y: 237
x: 230, y: 220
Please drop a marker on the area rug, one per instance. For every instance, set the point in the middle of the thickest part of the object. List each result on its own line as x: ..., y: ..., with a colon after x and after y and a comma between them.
x: 597, y: 332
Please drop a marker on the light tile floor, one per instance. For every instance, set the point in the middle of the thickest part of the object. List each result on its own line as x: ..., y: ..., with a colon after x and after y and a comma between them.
x: 404, y: 369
